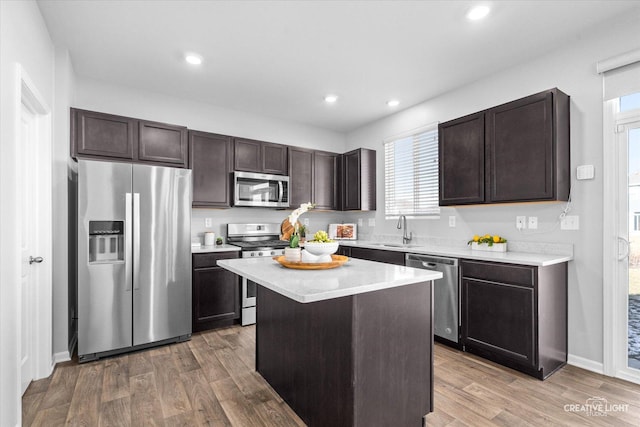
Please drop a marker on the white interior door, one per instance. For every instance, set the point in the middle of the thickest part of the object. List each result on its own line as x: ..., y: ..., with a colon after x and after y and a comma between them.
x: 28, y: 135
x: 34, y: 186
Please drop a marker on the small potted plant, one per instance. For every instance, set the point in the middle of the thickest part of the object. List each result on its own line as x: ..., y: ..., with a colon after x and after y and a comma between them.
x: 302, y: 231
x: 488, y: 243
x: 219, y: 241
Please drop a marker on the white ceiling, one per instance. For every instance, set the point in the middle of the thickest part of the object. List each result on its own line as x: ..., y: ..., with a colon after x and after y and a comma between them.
x: 279, y: 58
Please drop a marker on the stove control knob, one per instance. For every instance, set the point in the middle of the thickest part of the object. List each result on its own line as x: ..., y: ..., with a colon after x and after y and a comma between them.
x: 253, y: 254
x: 259, y: 253
x: 273, y: 252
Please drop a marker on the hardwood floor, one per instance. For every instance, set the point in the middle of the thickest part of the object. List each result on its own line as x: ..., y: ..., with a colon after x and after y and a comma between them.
x: 210, y: 381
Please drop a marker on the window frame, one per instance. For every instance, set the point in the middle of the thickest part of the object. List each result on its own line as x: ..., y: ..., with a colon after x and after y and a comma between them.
x: 434, y: 210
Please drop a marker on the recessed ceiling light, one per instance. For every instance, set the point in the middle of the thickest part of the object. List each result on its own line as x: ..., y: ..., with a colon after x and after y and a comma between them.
x: 393, y: 103
x: 331, y: 98
x: 193, y: 58
x: 478, y: 12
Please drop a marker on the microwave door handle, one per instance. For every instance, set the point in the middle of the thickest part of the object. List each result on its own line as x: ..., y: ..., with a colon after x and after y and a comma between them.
x: 280, y: 191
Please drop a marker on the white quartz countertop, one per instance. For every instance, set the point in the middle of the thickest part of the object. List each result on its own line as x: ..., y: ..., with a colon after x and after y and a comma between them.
x: 214, y: 248
x: 354, y: 277
x: 524, y: 258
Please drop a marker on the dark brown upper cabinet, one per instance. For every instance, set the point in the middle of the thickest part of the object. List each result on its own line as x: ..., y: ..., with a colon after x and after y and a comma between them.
x: 274, y: 158
x: 162, y: 143
x: 259, y: 156
x: 111, y: 137
x: 461, y: 160
x: 313, y: 176
x: 515, y: 152
x: 358, y: 176
x: 103, y: 135
x: 325, y: 180
x: 211, y: 159
x: 301, y: 182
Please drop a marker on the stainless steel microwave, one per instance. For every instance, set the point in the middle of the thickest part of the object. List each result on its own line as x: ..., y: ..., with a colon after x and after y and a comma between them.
x: 259, y: 189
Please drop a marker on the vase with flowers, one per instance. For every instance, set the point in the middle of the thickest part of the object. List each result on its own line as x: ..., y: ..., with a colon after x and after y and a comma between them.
x: 293, y: 252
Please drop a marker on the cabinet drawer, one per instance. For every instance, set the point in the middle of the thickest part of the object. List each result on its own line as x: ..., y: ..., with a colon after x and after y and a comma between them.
x: 494, y: 272
x: 209, y: 260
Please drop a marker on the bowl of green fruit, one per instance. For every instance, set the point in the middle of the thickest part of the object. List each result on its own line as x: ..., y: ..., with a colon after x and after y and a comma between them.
x: 321, y: 245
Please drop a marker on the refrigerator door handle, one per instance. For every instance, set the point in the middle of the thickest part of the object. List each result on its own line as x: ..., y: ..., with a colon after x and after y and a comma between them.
x: 128, y: 238
x: 136, y: 240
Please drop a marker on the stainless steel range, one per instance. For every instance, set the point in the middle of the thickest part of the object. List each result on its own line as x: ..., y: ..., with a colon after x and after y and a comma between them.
x: 255, y: 240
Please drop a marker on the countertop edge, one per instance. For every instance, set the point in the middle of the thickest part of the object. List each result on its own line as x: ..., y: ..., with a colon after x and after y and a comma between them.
x: 216, y: 248
x: 330, y: 294
x: 522, y: 258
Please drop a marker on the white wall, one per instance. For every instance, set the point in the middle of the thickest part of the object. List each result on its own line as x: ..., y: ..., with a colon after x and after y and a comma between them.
x: 24, y: 39
x: 571, y: 69
x: 64, y: 92
x: 107, y: 98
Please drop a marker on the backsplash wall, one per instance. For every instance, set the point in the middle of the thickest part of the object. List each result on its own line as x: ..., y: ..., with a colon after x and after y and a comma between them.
x: 318, y: 220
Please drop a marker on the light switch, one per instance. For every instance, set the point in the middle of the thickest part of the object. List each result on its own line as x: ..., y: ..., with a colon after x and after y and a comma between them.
x: 372, y: 222
x: 452, y: 221
x: 207, y: 222
x: 533, y: 222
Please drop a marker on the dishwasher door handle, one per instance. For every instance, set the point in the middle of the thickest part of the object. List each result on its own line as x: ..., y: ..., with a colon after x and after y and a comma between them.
x: 429, y: 264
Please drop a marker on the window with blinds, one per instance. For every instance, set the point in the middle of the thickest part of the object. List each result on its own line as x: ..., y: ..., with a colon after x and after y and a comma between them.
x: 411, y: 174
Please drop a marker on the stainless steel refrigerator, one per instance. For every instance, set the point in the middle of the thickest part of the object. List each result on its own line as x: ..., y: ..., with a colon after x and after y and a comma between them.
x: 133, y: 257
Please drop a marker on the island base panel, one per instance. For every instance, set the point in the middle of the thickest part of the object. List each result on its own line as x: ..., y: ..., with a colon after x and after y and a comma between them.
x: 361, y: 360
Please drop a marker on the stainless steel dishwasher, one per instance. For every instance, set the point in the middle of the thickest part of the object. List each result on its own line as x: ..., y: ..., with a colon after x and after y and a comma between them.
x: 446, y: 301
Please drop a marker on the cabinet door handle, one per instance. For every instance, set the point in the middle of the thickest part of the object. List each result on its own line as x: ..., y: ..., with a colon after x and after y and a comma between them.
x: 622, y: 257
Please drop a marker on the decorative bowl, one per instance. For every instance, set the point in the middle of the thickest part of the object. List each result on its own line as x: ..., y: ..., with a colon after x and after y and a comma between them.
x: 322, y: 250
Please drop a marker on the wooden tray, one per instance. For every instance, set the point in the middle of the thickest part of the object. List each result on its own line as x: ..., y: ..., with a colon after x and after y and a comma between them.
x: 337, y: 261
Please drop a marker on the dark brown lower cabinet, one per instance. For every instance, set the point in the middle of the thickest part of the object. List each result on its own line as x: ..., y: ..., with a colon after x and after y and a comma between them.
x: 515, y: 315
x: 379, y: 255
x: 216, y: 292
x: 352, y: 361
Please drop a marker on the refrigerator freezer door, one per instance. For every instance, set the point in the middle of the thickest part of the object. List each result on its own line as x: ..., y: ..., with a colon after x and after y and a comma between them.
x: 162, y: 291
x: 104, y: 281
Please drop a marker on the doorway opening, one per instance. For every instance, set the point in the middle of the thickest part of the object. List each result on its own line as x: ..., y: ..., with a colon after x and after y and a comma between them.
x: 628, y: 125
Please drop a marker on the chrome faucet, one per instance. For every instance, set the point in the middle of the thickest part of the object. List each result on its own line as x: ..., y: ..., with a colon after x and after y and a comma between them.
x: 402, y: 224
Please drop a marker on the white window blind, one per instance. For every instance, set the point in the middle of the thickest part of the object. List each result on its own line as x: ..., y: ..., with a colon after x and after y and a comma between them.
x: 411, y: 173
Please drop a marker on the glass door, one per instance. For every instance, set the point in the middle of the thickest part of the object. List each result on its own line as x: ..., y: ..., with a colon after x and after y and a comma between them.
x: 632, y: 135
x: 628, y: 135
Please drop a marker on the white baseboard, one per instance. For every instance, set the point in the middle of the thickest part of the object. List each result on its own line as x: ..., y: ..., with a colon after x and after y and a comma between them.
x: 588, y: 364
x: 63, y: 356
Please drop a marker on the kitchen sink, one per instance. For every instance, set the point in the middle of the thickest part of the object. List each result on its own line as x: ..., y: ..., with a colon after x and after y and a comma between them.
x: 396, y: 245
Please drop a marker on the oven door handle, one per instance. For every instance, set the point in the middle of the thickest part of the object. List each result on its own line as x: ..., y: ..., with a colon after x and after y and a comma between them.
x: 280, y: 191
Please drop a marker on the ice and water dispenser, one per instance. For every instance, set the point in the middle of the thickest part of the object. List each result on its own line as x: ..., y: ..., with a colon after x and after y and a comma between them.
x: 106, y: 241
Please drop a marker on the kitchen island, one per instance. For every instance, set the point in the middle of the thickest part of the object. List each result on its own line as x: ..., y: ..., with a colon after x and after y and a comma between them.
x: 351, y: 346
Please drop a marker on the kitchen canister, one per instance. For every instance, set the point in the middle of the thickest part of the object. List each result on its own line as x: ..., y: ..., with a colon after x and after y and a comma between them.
x: 209, y: 238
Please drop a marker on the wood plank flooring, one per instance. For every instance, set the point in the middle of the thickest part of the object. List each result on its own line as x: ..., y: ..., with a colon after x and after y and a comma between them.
x: 211, y: 381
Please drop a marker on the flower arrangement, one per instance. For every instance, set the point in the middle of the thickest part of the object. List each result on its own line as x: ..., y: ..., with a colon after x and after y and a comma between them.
x: 488, y: 239
x: 294, y: 240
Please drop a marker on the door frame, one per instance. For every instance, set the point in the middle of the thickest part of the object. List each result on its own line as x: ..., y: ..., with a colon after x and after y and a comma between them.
x: 615, y: 307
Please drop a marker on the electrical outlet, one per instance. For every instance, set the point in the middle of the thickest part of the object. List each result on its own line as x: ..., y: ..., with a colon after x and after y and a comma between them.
x: 306, y: 221
x: 452, y: 221
x: 570, y: 222
x: 521, y: 222
x: 207, y: 222
x: 372, y: 222
x: 533, y: 222
x: 360, y: 222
